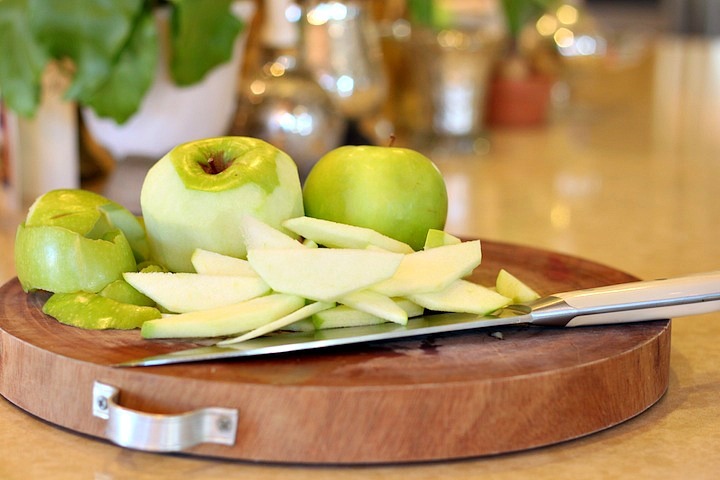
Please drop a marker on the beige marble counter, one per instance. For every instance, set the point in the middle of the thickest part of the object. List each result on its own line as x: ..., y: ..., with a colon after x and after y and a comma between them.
x: 627, y: 175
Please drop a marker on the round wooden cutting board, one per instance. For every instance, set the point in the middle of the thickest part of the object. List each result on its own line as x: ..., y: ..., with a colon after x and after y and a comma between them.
x: 432, y: 398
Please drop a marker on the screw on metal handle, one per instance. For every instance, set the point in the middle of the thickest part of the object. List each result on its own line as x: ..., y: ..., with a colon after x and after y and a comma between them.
x: 162, y: 433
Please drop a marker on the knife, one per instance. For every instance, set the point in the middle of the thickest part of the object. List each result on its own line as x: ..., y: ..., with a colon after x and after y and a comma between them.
x: 622, y: 303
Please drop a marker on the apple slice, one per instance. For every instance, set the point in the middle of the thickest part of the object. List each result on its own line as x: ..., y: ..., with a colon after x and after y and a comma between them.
x: 258, y: 234
x: 93, y: 311
x: 462, y: 296
x: 322, y: 274
x: 432, y: 270
x: 375, y: 304
x: 212, y: 263
x: 512, y: 287
x: 345, y: 316
x: 339, y: 235
x: 189, y: 292
x: 438, y: 238
x: 228, y: 320
x: 300, y: 314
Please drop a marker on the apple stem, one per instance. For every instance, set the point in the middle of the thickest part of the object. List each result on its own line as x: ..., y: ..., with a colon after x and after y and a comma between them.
x: 392, y: 140
x: 215, y: 165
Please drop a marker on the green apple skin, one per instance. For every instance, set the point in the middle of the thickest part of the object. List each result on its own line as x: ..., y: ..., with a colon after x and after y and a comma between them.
x: 96, y: 312
x: 186, y: 205
x: 59, y: 260
x: 89, y: 214
x: 395, y: 191
x: 123, y: 292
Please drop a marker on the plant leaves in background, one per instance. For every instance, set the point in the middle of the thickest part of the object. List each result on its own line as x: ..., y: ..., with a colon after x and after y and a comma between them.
x: 91, y: 34
x: 519, y: 12
x: 203, y: 36
x: 112, y: 46
x: 23, y: 59
x: 121, y: 94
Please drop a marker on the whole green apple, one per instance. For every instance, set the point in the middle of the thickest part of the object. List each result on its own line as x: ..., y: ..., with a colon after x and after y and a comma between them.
x: 195, y: 196
x: 395, y: 191
x: 74, y: 240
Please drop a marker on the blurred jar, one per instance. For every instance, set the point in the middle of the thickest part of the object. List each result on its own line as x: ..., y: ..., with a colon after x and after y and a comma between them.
x: 441, y: 74
x: 344, y: 52
x: 281, y: 102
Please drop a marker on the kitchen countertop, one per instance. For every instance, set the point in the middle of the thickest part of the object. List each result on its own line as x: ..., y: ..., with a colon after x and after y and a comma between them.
x: 625, y: 174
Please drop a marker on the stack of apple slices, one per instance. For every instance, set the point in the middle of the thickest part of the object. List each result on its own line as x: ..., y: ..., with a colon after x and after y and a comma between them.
x: 339, y: 275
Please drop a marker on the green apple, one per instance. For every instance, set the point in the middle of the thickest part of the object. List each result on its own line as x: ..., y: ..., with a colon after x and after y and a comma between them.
x: 93, y: 311
x: 395, y: 191
x: 195, y: 196
x: 75, y: 240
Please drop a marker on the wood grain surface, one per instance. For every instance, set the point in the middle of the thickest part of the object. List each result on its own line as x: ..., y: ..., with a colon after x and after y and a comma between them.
x: 431, y: 398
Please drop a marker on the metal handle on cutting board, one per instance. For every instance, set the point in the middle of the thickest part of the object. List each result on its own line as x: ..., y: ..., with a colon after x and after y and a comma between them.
x: 162, y: 433
x: 646, y: 300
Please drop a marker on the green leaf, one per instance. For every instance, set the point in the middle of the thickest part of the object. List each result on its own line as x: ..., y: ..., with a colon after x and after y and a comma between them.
x: 519, y: 12
x: 91, y: 34
x: 22, y: 59
x: 202, y: 37
x: 120, y: 95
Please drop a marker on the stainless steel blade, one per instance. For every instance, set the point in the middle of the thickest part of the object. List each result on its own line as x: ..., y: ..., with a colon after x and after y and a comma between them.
x: 296, y: 341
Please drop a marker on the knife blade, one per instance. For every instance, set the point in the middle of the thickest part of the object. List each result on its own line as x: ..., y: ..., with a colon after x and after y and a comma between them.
x: 622, y: 303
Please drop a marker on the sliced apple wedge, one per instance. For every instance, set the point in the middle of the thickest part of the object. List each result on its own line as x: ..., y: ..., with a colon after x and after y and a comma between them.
x: 462, y: 296
x: 512, y: 287
x: 258, y: 234
x: 438, y: 238
x: 375, y: 304
x: 432, y: 270
x: 300, y: 314
x: 322, y: 274
x: 212, y: 263
x: 339, y: 235
x: 345, y: 316
x: 189, y: 292
x: 228, y: 320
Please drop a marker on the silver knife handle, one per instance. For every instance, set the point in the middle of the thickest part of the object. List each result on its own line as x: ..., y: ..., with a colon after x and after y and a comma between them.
x: 645, y: 300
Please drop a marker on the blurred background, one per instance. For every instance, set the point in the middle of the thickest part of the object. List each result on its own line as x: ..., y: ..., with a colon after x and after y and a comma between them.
x: 440, y: 76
